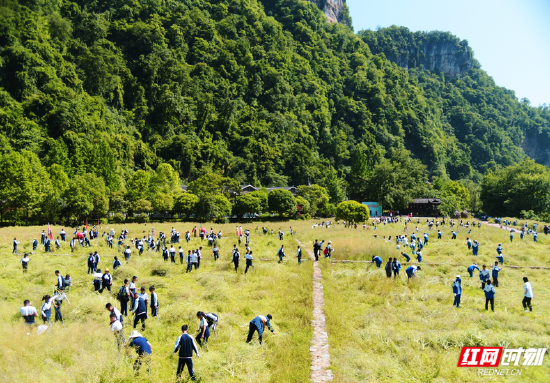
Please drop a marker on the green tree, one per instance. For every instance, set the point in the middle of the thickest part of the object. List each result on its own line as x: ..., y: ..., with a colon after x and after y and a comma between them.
x: 282, y: 202
x: 247, y: 204
x: 318, y: 198
x: 142, y: 206
x: 163, y: 203
x: 303, y: 206
x: 352, y: 212
x: 138, y: 186
x: 185, y: 203
x: 333, y: 186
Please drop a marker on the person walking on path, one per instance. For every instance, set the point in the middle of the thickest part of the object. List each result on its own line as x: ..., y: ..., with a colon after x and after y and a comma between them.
x: 457, y: 291
x: 471, y: 269
x: 185, y: 345
x: 25, y: 262
x: 484, y: 276
x: 527, y: 294
x: 411, y: 272
x: 140, y: 311
x: 281, y: 253
x: 143, y: 349
x: 249, y: 258
x: 259, y: 324
x: 328, y: 250
x: 317, y: 249
x: 489, y: 291
x: 204, y: 331
x: 28, y: 312
x: 494, y: 274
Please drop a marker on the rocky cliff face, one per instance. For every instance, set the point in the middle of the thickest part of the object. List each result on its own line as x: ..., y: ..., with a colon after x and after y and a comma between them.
x: 444, y: 56
x: 333, y: 9
x: 537, y: 146
x: 436, y: 51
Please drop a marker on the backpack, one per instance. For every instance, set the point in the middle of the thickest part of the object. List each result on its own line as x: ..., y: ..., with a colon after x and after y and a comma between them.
x: 325, y: 252
x: 121, y: 294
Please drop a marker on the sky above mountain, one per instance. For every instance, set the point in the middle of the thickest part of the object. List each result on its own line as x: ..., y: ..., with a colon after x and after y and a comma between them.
x: 510, y: 38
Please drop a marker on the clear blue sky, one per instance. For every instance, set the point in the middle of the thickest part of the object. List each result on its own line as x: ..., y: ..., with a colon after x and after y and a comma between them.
x: 510, y: 38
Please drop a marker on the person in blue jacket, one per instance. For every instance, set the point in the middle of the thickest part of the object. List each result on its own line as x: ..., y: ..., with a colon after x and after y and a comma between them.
x: 396, y: 267
x: 471, y: 269
x: 454, y: 235
x: 377, y: 260
x: 500, y: 258
x: 185, y: 345
x: 259, y: 324
x: 484, y: 276
x: 457, y: 290
x: 475, y: 248
x: 419, y: 256
x: 34, y: 244
x: 489, y: 291
x: 411, y: 272
x: 499, y: 248
x: 439, y: 234
x: 426, y: 239
x: 494, y: 274
x: 511, y: 236
x: 143, y: 349
x: 469, y: 243
x: 535, y: 236
x: 406, y: 256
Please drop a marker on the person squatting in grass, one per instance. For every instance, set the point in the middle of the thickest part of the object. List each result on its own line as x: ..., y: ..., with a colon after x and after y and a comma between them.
x: 212, y: 320
x: 185, y: 345
x: 489, y: 291
x: 143, y: 349
x: 406, y: 256
x: 117, y: 328
x: 377, y: 260
x: 527, y: 294
x: 204, y: 330
x: 259, y: 324
x: 457, y: 291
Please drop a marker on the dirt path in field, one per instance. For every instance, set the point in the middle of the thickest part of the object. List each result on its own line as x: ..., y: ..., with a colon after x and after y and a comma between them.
x: 320, y: 357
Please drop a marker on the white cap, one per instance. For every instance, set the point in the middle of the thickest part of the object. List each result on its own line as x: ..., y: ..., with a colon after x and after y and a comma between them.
x: 134, y: 334
x: 329, y: 241
x: 458, y: 276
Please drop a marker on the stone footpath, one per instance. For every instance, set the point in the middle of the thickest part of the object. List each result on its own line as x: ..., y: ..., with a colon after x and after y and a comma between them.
x: 320, y: 357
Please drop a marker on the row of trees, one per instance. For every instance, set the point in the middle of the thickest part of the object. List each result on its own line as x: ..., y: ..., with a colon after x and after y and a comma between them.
x: 34, y: 193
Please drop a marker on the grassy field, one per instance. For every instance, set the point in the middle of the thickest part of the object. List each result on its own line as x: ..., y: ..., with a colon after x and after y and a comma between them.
x: 84, y: 350
x: 379, y: 329
x: 383, y: 329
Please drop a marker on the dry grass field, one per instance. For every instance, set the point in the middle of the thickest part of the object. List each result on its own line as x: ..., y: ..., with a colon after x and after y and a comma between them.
x: 379, y: 329
x: 84, y: 350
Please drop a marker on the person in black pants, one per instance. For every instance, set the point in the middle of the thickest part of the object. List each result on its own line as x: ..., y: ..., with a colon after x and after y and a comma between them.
x: 528, y: 294
x: 185, y: 344
x: 124, y: 296
x: 317, y: 249
x: 489, y: 296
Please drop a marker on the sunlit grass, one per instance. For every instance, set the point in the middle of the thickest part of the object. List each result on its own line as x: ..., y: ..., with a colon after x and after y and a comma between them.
x: 84, y: 350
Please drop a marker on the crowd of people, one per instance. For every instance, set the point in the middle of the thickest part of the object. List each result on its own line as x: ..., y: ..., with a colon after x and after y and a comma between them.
x: 134, y: 300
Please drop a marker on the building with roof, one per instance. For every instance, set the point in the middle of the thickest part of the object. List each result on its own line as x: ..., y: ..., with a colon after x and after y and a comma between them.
x: 424, y: 207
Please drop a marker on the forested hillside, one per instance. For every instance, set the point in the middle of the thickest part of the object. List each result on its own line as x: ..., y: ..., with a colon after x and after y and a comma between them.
x: 96, y: 95
x: 491, y: 125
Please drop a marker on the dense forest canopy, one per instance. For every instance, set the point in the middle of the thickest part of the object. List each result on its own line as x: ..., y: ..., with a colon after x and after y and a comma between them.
x: 110, y: 96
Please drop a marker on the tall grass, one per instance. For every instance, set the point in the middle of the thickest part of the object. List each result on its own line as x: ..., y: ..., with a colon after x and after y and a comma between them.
x: 384, y: 329
x: 84, y: 350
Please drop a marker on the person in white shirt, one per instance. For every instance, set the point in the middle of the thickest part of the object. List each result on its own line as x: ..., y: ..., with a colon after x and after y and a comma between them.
x: 143, y: 295
x: 528, y: 294
x: 25, y: 262
x: 58, y: 299
x: 28, y: 312
x: 249, y: 258
x: 46, y: 309
x: 127, y: 253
